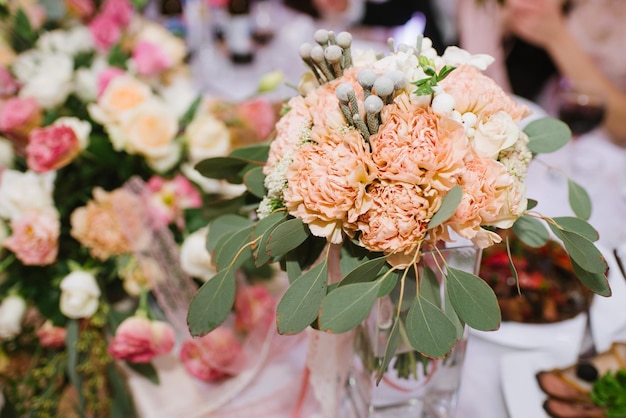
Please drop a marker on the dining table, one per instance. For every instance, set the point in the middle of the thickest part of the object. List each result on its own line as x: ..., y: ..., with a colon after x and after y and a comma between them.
x: 498, y: 373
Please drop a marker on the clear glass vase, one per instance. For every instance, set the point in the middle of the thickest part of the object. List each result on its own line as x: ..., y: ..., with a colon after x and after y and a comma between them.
x: 413, y: 386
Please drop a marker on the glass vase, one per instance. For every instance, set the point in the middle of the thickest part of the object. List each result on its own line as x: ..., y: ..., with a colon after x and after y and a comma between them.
x: 413, y: 386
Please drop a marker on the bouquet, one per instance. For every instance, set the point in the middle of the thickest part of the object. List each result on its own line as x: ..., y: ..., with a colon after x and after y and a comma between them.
x: 378, y: 160
x: 102, y: 223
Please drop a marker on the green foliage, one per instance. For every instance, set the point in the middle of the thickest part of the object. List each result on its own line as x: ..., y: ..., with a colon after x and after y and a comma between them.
x: 579, y: 200
x: 425, y: 85
x: 212, y: 304
x: 531, y: 231
x: 547, y: 135
x: 429, y: 329
x: 609, y: 392
x: 448, y: 206
x: 473, y: 300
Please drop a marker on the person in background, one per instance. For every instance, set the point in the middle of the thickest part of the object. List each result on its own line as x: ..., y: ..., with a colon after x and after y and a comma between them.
x: 580, y: 38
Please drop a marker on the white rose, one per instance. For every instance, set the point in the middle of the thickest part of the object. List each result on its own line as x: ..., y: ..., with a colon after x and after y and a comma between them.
x: 495, y: 134
x: 207, y: 137
x: 514, y: 208
x: 12, y: 310
x: 22, y: 191
x: 81, y: 129
x: 195, y: 259
x: 52, y: 82
x: 179, y: 95
x: 86, y: 80
x: 70, y: 42
x: 456, y: 56
x: 7, y: 154
x: 79, y: 295
x: 26, y: 65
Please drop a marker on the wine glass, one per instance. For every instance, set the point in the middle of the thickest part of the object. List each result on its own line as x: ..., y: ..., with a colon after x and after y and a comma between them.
x: 582, y: 107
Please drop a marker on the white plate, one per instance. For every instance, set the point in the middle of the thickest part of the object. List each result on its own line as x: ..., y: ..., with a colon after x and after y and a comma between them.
x: 523, y: 396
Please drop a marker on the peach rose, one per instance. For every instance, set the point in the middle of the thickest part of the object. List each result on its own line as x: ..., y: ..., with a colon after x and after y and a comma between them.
x: 35, y: 238
x: 207, y: 137
x: 138, y: 340
x: 212, y: 357
x: 327, y: 182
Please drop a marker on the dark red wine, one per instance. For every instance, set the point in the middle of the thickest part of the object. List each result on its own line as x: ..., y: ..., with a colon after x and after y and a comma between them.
x: 262, y: 37
x: 581, y: 118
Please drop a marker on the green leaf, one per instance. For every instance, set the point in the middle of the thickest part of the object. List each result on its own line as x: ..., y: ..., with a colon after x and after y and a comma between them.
x: 121, y: 400
x: 262, y: 230
x: 473, y: 300
x: 445, y: 71
x: 531, y: 231
x: 547, y: 135
x: 233, y: 249
x: 254, y: 180
x: 532, y: 203
x: 222, y: 168
x: 255, y: 154
x: 429, y: 330
x: 579, y: 199
x: 577, y: 225
x: 452, y: 315
x: 287, y: 236
x: 300, y: 304
x: 390, y: 350
x: 212, y: 304
x: 190, y: 112
x: 223, y: 225
x: 429, y: 286
x: 71, y: 344
x: 347, y: 306
x: 365, y: 272
x: 388, y: 282
x: 581, y: 250
x: 218, y: 207
x: 449, y: 205
x: 147, y: 370
x: 596, y: 282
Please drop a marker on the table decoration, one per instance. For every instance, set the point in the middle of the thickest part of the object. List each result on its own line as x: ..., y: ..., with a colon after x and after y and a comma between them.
x: 102, y: 225
x: 377, y: 161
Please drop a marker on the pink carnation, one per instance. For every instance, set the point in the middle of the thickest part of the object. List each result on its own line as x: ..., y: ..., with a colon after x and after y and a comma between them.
x: 51, y: 148
x: 150, y: 59
x: 169, y: 198
x: 139, y: 340
x: 254, y: 305
x: 51, y: 336
x: 8, y: 85
x: 105, y: 32
x: 19, y: 116
x: 35, y: 238
x: 212, y: 357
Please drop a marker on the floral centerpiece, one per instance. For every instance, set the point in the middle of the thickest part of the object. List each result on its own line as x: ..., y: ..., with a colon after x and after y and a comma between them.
x: 377, y: 161
x: 101, y: 210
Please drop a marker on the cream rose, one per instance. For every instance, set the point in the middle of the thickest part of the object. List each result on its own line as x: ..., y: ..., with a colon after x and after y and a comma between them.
x: 195, y: 259
x: 69, y: 42
x: 122, y: 94
x: 22, y: 191
x: 79, y: 295
x: 86, y: 80
x: 7, y: 154
x: 173, y: 46
x: 12, y: 310
x: 497, y: 133
x: 207, y: 137
x: 52, y: 81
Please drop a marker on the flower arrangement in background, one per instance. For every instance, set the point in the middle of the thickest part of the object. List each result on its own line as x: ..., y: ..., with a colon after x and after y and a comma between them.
x: 100, y: 129
x: 546, y: 289
x: 378, y: 160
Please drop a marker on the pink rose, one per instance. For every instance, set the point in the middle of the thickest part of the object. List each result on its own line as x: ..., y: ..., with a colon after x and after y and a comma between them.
x: 253, y: 304
x: 139, y: 340
x: 259, y: 115
x: 106, y: 76
x: 105, y: 32
x: 150, y: 59
x: 119, y: 12
x: 34, y: 238
x: 51, y: 148
x: 211, y: 357
x: 169, y: 198
x: 8, y: 85
x: 51, y: 336
x: 19, y: 116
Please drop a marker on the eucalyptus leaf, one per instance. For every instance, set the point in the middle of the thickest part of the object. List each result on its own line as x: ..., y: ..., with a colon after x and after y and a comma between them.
x: 71, y: 344
x: 429, y: 286
x: 429, y: 330
x: 365, y: 272
x: 261, y: 232
x: 577, y: 225
x: 547, y: 135
x: 473, y: 300
x: 292, y: 267
x: 531, y: 203
x: 233, y: 249
x: 287, y: 236
x: 531, y: 231
x: 388, y: 282
x: 219, y: 207
x: 391, y: 347
x: 147, y: 370
x: 300, y: 304
x: 579, y: 199
x: 581, y: 250
x: 255, y: 182
x: 221, y: 168
x: 225, y: 225
x: 212, y: 304
x: 452, y: 315
x: 256, y: 154
x: 347, y: 306
x: 596, y: 282
x: 121, y: 401
x: 449, y: 205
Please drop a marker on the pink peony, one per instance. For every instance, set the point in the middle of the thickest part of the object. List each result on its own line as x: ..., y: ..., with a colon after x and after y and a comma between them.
x: 211, y: 357
x: 19, y: 116
x: 8, y: 85
x: 51, y: 336
x: 34, y: 238
x: 120, y: 12
x: 139, y: 340
x: 169, y: 198
x: 259, y: 115
x: 51, y: 148
x: 254, y: 305
x: 106, y: 76
x: 150, y: 59
x: 105, y: 32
